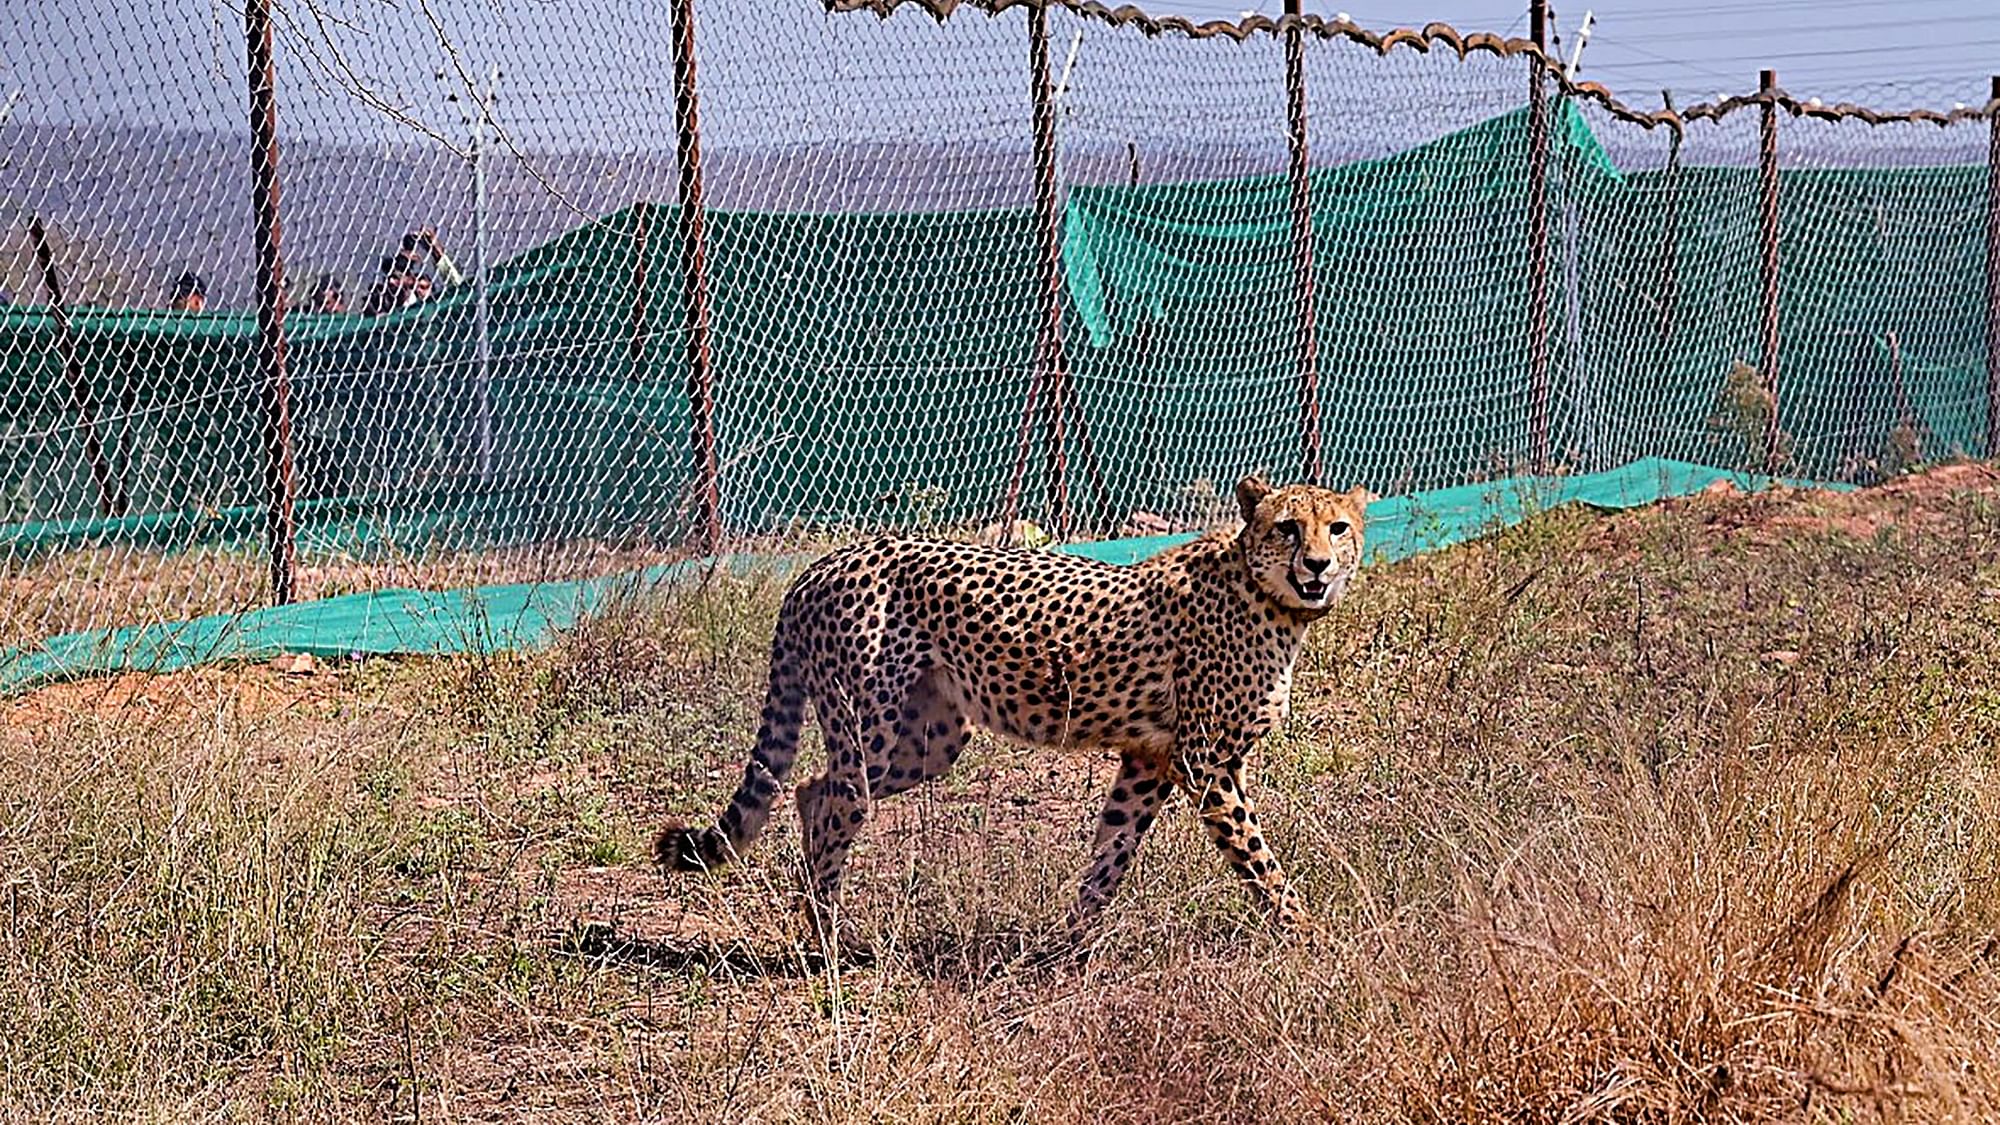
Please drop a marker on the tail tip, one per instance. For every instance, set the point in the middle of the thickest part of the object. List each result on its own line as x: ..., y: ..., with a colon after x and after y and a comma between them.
x: 680, y: 848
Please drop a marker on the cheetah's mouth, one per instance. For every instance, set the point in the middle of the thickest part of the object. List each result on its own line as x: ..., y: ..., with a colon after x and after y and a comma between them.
x: 1311, y: 590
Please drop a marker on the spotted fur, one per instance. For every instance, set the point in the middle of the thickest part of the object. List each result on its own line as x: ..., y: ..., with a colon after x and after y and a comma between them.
x: 1178, y: 665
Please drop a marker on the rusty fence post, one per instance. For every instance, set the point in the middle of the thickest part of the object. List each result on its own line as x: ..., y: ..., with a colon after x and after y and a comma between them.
x: 1538, y: 238
x: 1012, y: 507
x: 276, y: 392
x: 1993, y: 271
x: 694, y: 282
x: 1670, y: 241
x: 1049, y: 390
x: 111, y: 498
x: 1767, y: 176
x: 1302, y: 245
x: 638, y: 345
x: 1050, y: 361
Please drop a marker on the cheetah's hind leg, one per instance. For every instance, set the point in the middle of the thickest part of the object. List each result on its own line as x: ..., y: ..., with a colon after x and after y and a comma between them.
x: 930, y: 735
x: 859, y: 729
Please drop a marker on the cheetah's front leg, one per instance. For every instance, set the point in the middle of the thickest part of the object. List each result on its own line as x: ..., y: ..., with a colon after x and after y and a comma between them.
x: 1135, y: 799
x: 1216, y: 781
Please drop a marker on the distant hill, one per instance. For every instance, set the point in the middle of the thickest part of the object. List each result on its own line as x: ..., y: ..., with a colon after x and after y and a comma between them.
x: 148, y: 206
x: 132, y: 207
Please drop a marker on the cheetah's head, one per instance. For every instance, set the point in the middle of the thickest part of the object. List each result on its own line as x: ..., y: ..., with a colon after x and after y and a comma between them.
x: 1302, y: 543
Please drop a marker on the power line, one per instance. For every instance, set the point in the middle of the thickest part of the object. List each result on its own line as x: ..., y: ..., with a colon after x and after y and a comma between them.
x: 1622, y: 45
x: 1683, y: 14
x: 1834, y: 29
x: 1841, y: 52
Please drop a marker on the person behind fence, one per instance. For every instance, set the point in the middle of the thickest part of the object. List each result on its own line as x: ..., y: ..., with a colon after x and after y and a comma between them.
x: 190, y: 293
x: 403, y: 282
x: 328, y: 296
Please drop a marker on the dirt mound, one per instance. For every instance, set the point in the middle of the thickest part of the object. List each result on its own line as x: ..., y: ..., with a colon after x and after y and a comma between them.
x: 1934, y: 498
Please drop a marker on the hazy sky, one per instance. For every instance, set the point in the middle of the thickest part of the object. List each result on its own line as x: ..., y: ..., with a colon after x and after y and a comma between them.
x: 150, y: 58
x: 1920, y: 52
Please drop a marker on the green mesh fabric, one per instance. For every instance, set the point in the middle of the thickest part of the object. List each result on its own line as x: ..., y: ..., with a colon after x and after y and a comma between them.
x: 893, y: 391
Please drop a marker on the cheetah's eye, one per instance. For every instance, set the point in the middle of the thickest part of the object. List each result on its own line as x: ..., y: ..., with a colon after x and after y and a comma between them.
x: 1288, y: 528
x: 1337, y: 529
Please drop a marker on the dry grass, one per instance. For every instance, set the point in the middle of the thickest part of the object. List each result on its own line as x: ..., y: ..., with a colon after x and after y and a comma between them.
x: 1687, y: 814
x: 101, y: 587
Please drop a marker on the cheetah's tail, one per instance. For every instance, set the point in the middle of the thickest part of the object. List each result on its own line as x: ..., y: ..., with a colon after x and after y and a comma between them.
x: 681, y: 848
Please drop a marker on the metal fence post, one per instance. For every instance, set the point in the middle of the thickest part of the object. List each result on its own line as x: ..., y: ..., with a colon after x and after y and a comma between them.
x: 1767, y: 173
x: 694, y: 281
x: 1050, y: 360
x: 111, y: 499
x: 278, y: 482
x: 1993, y: 271
x: 1670, y: 240
x: 1302, y: 245
x: 638, y: 340
x: 1538, y: 237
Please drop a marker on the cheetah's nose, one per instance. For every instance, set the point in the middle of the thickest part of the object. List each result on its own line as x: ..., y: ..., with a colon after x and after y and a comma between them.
x: 1317, y: 566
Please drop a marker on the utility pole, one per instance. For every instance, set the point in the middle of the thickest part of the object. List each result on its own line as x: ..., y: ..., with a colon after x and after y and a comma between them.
x: 1582, y: 41
x: 1538, y: 241
x: 482, y: 316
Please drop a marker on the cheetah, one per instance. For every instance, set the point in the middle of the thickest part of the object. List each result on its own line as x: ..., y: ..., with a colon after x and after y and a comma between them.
x: 1178, y: 665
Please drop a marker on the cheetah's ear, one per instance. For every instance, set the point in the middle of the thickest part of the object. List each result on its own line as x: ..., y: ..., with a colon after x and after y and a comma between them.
x: 1249, y: 491
x: 1361, y: 497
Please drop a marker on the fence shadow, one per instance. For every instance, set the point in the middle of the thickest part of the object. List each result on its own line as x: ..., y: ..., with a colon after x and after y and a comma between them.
x: 970, y: 958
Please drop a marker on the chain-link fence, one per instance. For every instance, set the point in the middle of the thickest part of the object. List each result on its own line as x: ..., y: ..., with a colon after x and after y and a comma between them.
x: 944, y: 271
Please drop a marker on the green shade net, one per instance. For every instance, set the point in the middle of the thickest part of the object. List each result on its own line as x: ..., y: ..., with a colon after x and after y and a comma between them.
x: 1185, y: 297
x: 875, y: 369
x: 868, y: 369
x: 387, y: 414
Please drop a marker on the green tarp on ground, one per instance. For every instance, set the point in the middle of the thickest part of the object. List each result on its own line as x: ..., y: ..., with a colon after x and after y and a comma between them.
x: 530, y: 615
